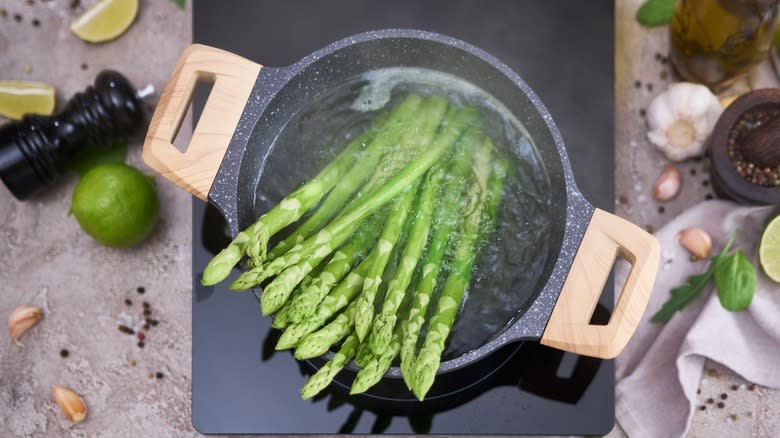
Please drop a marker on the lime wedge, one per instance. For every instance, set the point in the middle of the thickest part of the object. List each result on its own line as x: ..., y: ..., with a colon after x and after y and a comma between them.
x: 769, y: 250
x: 104, y: 21
x: 18, y: 98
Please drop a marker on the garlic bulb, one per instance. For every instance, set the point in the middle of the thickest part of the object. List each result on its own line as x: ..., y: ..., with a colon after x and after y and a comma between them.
x: 681, y: 118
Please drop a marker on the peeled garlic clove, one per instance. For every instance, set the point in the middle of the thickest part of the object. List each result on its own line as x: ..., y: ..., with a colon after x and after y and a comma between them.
x: 667, y: 185
x: 21, y: 319
x: 70, y: 403
x: 696, y: 241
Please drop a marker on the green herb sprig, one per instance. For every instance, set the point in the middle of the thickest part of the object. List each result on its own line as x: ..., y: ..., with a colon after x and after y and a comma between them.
x: 735, y: 281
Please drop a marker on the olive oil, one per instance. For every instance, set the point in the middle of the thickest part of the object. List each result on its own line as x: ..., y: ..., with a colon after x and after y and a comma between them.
x: 714, y: 42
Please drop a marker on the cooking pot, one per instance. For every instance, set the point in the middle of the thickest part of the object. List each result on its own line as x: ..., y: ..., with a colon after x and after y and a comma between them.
x: 250, y: 105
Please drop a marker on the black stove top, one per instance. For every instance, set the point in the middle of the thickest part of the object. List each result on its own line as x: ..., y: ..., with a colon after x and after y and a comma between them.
x: 564, y: 50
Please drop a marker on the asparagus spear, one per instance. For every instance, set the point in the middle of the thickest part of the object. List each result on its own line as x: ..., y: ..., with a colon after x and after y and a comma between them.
x: 448, y: 213
x: 390, y: 235
x: 434, y: 109
x: 349, y: 220
x: 286, y: 212
x: 339, y: 297
x: 398, y: 121
x: 483, y: 198
x: 322, y: 378
x: 302, y: 306
x: 318, y: 343
x: 375, y: 367
x: 384, y: 322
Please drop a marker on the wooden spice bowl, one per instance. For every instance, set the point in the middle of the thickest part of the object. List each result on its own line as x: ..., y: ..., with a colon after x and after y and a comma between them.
x: 764, y: 145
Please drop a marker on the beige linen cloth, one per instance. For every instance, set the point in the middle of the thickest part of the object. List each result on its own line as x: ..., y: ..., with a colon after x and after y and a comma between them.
x: 659, y: 370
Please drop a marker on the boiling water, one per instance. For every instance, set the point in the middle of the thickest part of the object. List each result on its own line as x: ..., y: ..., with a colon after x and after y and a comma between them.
x: 508, y: 271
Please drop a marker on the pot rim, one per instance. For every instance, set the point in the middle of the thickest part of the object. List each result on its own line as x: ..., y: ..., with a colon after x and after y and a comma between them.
x: 529, y: 324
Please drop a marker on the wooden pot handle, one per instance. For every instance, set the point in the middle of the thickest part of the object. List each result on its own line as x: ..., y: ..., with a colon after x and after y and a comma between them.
x: 233, y: 77
x: 569, y: 326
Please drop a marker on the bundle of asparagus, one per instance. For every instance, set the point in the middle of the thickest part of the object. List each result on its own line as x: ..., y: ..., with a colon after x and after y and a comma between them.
x: 421, y: 187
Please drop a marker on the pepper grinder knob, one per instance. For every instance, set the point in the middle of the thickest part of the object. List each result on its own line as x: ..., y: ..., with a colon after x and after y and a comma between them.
x: 35, y: 150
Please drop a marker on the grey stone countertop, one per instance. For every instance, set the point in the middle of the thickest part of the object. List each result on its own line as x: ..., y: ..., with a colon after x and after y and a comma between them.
x: 47, y: 261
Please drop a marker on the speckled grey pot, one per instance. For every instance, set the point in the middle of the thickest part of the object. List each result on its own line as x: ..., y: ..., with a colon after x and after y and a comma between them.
x: 279, y: 92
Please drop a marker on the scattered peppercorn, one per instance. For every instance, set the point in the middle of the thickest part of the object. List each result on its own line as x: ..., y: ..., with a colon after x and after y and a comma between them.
x: 74, y: 4
x: 721, y: 405
x: 658, y: 56
x: 643, y: 112
x: 140, y: 344
x: 140, y: 289
x: 159, y: 375
x: 125, y: 329
x: 132, y: 362
x: 154, y: 322
x: 649, y: 87
x: 710, y: 401
x: 724, y: 396
x: 705, y: 183
x: 145, y: 304
x: 147, y: 312
x: 734, y: 387
x: 692, y: 171
x: 64, y: 353
x: 30, y: 2
x: 661, y: 209
x: 36, y: 22
x: 84, y: 67
x: 128, y: 302
x: 638, y: 84
x: 751, y: 387
x: 708, y: 196
x: 18, y: 18
x: 698, y: 391
x: 702, y: 408
x: 146, y: 326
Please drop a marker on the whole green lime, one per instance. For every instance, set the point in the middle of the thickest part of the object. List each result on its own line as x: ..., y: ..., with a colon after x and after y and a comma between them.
x: 116, y: 204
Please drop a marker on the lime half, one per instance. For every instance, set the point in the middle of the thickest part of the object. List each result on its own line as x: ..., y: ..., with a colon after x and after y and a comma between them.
x: 769, y: 250
x: 106, y: 20
x: 18, y: 98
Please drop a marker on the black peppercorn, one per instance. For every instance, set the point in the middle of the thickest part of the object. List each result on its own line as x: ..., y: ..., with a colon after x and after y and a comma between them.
x: 64, y: 353
x: 128, y: 302
x: 721, y: 405
x: 159, y: 375
x: 140, y: 289
x: 141, y: 344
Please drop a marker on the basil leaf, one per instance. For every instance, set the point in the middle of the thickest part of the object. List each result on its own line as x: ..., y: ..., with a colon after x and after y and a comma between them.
x: 89, y: 157
x: 735, y: 281
x: 655, y: 12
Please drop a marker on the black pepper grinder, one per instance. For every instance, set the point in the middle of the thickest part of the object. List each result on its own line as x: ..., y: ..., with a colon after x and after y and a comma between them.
x: 35, y: 150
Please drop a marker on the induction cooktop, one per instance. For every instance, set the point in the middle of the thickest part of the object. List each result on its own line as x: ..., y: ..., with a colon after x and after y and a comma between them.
x: 564, y: 51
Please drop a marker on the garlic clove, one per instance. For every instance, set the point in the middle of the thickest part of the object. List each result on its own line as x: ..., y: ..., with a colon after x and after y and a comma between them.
x: 71, y: 404
x: 21, y: 320
x: 696, y: 241
x: 667, y: 185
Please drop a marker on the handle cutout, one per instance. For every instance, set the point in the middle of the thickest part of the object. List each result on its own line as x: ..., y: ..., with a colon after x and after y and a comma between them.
x: 196, y: 103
